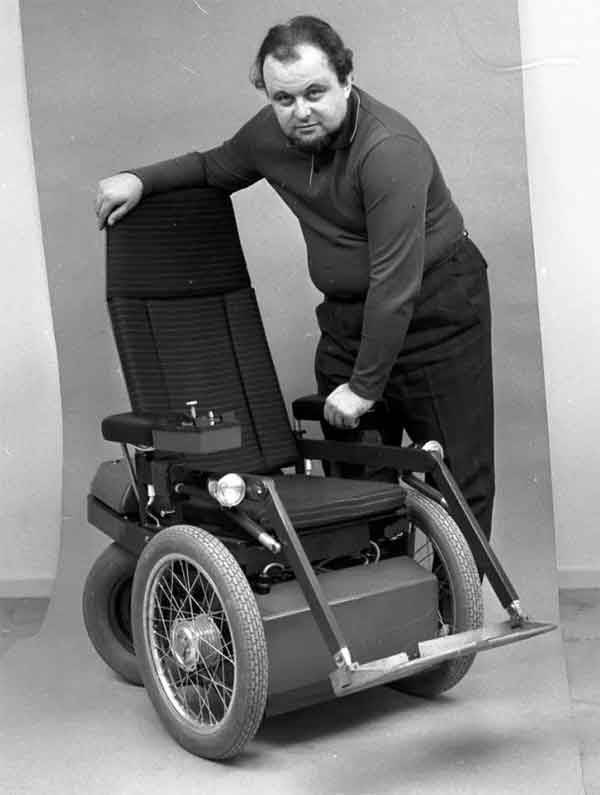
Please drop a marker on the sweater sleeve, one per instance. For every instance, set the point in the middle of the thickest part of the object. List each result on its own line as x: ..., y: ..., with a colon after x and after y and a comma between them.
x: 230, y: 166
x: 394, y: 181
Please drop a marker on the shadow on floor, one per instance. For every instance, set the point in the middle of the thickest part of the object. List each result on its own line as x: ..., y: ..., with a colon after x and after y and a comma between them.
x: 20, y: 618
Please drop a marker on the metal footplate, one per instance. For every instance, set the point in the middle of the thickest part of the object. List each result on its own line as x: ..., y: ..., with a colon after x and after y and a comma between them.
x: 353, y: 677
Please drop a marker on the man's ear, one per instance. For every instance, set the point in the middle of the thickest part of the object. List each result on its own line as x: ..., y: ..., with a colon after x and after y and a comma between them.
x: 348, y: 86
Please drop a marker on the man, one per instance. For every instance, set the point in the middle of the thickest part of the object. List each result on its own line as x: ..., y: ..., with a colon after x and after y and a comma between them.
x: 406, y: 314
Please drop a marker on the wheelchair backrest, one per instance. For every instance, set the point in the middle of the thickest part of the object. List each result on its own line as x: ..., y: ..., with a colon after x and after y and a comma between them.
x: 187, y: 325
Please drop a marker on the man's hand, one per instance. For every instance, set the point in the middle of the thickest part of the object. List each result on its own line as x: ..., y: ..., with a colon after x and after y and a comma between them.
x: 343, y: 407
x: 117, y: 195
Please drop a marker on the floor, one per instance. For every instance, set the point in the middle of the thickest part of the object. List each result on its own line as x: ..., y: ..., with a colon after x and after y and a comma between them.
x: 580, y: 621
x: 70, y: 725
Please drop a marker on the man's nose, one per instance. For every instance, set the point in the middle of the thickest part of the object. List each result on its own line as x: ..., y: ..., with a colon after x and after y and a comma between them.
x: 302, y: 109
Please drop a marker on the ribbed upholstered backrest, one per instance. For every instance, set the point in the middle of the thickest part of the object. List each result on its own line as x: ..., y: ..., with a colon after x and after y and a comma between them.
x: 187, y: 325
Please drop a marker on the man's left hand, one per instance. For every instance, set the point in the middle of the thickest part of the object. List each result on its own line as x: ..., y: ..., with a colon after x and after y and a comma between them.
x: 343, y: 407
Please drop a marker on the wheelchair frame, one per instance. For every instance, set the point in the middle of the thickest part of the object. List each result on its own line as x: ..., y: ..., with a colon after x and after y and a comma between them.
x: 347, y: 675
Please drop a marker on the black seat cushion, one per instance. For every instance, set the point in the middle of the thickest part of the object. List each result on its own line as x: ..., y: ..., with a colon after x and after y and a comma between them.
x: 315, y: 501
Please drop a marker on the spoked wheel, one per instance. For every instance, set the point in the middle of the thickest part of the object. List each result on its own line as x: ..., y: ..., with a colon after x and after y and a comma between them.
x: 107, y: 611
x: 200, y: 641
x: 439, y: 546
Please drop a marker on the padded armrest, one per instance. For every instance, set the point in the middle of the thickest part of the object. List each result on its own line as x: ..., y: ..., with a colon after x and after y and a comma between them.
x: 310, y: 407
x: 129, y: 429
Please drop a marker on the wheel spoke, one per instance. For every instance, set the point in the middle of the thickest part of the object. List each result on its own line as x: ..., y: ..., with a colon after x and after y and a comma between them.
x: 189, y: 588
x: 202, y: 691
x: 215, y: 686
x: 425, y: 545
x: 193, y: 587
x: 167, y: 591
x: 207, y: 598
x: 160, y: 635
x: 180, y: 603
x: 204, y: 704
x: 228, y: 646
x: 218, y: 651
x: 165, y: 625
x: 187, y: 597
x: 182, y: 693
x: 427, y: 555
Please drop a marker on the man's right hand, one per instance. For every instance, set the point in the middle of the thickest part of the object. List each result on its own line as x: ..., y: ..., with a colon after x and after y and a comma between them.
x: 117, y: 195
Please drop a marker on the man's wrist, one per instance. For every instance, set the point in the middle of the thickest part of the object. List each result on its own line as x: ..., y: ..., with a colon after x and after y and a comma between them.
x: 363, y: 392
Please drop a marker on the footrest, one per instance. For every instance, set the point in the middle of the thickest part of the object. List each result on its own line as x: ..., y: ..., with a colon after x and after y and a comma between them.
x: 432, y: 653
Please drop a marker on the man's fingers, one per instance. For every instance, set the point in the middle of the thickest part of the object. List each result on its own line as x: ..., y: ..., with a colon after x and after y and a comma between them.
x: 103, y: 209
x: 343, y: 407
x: 332, y: 415
x: 122, y: 210
x: 349, y: 423
x: 110, y: 211
x: 116, y: 196
x: 338, y: 419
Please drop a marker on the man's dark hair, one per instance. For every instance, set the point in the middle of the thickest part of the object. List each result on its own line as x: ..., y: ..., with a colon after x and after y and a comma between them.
x: 282, y: 41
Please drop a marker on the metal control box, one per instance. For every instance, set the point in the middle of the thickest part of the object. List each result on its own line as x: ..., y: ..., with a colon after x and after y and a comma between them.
x: 201, y: 436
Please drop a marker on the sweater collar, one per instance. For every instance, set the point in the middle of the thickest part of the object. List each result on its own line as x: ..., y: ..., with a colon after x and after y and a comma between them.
x: 345, y: 135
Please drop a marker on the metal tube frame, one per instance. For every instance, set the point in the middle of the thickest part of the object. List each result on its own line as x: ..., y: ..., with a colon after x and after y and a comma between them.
x: 406, y: 459
x: 307, y: 579
x: 132, y: 474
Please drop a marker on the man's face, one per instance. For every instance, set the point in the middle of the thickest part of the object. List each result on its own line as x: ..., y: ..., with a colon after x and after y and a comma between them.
x: 308, y: 99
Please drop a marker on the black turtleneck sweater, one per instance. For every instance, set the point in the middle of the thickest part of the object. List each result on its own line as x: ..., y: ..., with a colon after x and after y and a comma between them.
x: 373, y: 207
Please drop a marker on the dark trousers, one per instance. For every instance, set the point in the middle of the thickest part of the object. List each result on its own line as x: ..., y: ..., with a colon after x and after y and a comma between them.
x: 440, y: 387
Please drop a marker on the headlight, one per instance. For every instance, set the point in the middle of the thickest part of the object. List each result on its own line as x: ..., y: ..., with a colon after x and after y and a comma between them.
x: 229, y: 490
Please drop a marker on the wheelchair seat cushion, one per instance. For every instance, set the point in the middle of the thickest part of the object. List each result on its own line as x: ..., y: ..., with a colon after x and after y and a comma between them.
x: 315, y: 501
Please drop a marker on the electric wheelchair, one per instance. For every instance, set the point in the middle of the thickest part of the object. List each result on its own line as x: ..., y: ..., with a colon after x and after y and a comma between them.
x: 240, y: 584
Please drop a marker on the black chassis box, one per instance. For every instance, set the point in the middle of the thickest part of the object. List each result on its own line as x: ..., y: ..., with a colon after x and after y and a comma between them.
x: 384, y: 608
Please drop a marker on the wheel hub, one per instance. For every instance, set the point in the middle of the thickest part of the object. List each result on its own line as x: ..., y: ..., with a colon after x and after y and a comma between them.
x: 196, y: 640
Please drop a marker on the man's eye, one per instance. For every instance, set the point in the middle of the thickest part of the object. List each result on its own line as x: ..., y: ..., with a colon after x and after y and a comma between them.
x: 285, y: 101
x: 315, y: 94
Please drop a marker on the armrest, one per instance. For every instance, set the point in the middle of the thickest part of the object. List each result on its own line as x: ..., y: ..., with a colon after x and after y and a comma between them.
x: 413, y: 459
x: 129, y: 428
x: 310, y: 407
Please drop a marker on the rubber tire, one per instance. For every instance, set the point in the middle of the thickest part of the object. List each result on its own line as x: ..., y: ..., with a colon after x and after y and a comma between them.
x: 111, y: 573
x: 251, y: 682
x: 465, y: 585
